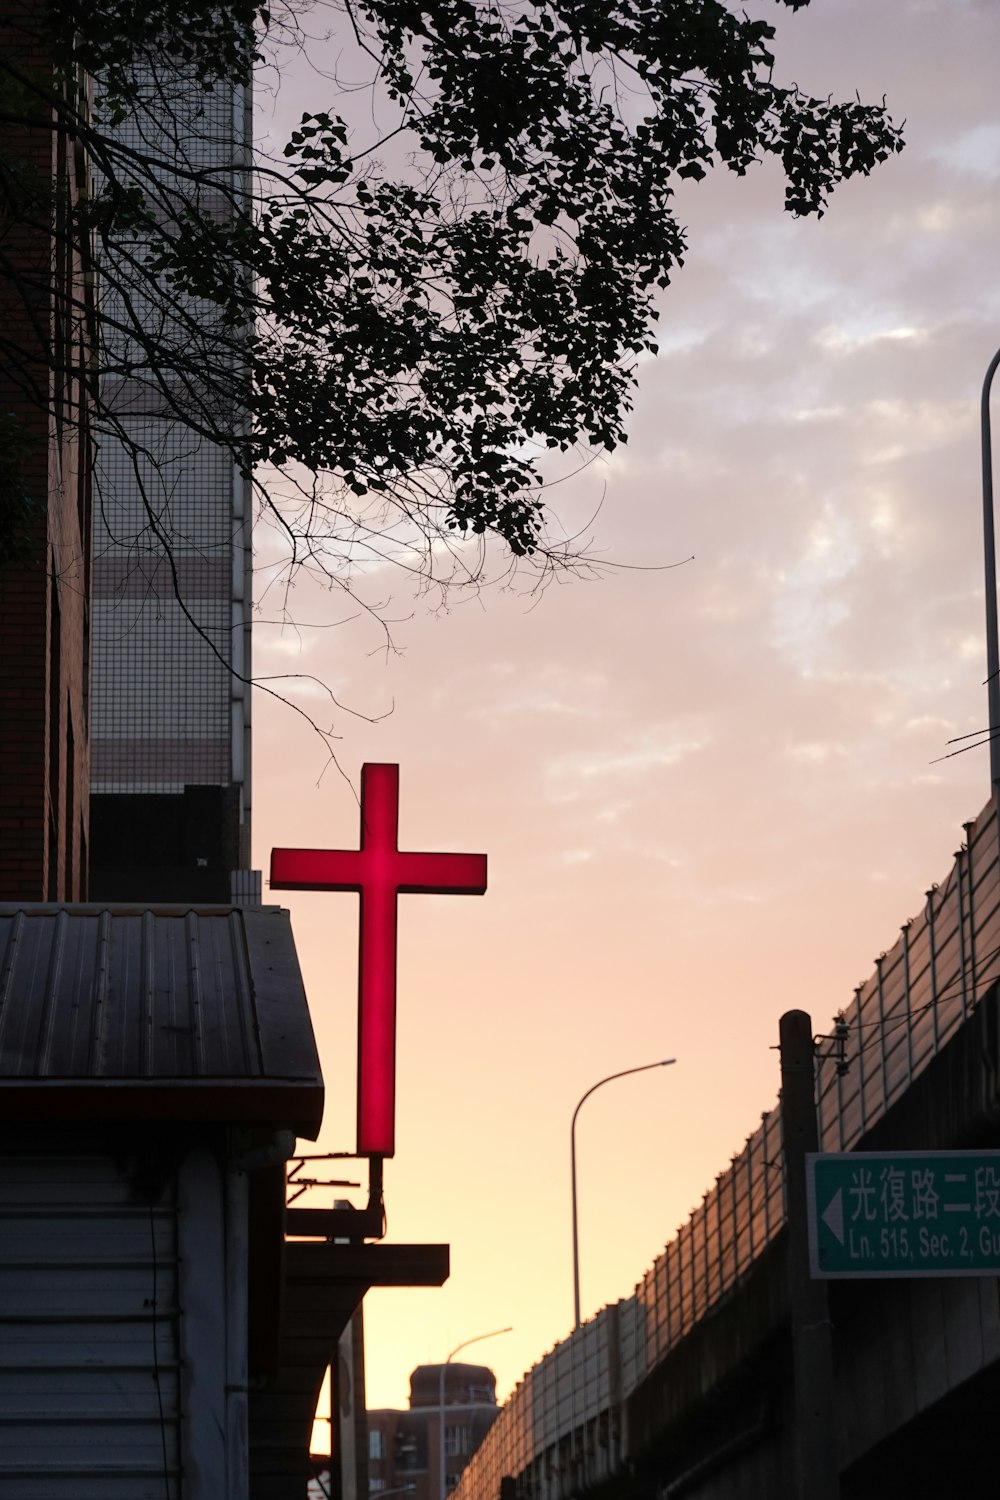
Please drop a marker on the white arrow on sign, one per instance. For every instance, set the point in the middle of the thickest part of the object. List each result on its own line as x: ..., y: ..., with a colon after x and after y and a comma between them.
x: 833, y: 1215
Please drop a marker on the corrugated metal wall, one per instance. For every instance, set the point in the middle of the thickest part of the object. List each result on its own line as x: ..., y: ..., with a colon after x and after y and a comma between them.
x: 550, y: 1434
x: 88, y: 1328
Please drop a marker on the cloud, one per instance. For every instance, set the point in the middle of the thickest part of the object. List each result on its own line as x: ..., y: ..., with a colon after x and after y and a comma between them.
x: 636, y: 755
x: 839, y: 339
x: 815, y: 752
x: 975, y: 152
x: 545, y: 690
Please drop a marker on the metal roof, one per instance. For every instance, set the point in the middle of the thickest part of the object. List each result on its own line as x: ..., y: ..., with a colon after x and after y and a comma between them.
x: 165, y: 1013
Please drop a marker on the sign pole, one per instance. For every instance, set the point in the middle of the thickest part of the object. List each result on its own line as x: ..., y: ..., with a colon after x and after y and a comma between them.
x: 815, y: 1398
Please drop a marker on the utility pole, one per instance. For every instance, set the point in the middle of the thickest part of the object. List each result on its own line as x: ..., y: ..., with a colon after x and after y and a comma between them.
x: 815, y: 1398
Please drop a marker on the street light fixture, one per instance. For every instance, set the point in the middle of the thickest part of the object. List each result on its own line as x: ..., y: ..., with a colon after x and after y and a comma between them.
x: 626, y: 1072
x: 496, y: 1332
x: 989, y: 555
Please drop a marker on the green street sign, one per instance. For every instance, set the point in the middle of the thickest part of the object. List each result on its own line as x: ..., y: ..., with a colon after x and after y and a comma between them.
x: 904, y: 1213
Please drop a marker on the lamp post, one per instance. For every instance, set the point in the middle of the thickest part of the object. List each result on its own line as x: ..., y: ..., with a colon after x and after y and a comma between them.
x: 495, y: 1333
x: 626, y: 1072
x: 989, y: 551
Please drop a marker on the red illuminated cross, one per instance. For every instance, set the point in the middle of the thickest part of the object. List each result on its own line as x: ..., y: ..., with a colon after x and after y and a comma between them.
x: 379, y: 871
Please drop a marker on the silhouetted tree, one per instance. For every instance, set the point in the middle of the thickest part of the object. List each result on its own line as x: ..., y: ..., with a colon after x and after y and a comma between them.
x: 399, y: 342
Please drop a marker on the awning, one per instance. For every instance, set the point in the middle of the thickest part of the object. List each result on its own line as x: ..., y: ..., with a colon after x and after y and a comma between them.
x: 175, y: 1013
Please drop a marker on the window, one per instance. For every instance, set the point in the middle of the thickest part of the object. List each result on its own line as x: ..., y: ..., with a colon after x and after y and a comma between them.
x: 376, y: 1485
x: 376, y: 1446
x: 456, y: 1442
x: 407, y: 1456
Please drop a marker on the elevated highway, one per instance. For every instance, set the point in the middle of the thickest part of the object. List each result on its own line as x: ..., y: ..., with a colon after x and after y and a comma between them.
x: 686, y: 1387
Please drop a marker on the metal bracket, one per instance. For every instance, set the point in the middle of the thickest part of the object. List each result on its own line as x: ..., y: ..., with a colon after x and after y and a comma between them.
x: 350, y: 1224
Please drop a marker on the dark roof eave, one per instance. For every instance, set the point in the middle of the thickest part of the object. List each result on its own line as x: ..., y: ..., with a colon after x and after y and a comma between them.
x: 283, y: 1104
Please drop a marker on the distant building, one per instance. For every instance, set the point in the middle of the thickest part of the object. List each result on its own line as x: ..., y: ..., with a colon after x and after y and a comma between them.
x: 404, y: 1446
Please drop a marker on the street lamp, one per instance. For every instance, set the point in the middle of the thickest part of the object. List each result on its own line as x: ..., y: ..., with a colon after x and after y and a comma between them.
x: 496, y: 1332
x: 989, y: 553
x: 664, y: 1063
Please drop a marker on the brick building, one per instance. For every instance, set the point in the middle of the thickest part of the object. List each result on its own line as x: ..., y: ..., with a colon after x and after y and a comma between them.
x: 404, y: 1446
x: 46, y: 338
x: 124, y: 646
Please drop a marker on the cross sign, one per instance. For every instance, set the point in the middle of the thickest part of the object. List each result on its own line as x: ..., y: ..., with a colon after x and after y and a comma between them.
x: 379, y: 871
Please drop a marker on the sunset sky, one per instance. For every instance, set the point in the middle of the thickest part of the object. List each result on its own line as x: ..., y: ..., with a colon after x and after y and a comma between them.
x: 707, y: 794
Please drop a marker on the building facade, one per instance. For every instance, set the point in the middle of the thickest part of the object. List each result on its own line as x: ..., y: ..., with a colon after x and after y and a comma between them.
x: 46, y: 347
x: 165, y: 1320
x: 155, y: 1070
x: 404, y: 1447
x: 170, y: 719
